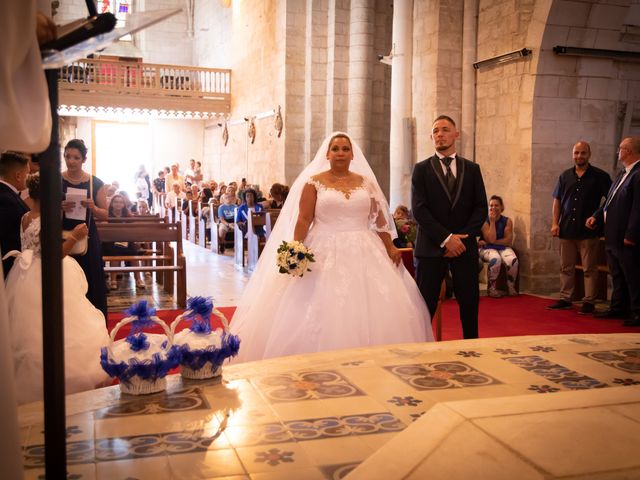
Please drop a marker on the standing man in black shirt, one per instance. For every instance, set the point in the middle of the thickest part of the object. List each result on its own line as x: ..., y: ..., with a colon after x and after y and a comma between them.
x: 578, y: 193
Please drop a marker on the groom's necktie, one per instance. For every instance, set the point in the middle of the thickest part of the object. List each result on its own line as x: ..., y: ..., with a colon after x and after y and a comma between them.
x: 451, y: 180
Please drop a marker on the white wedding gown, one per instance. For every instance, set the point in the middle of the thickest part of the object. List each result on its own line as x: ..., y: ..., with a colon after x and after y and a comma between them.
x: 84, y: 325
x: 353, y: 297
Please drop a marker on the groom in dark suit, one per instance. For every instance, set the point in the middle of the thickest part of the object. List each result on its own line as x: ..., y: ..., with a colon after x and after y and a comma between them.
x: 14, y: 168
x: 620, y: 215
x: 449, y: 203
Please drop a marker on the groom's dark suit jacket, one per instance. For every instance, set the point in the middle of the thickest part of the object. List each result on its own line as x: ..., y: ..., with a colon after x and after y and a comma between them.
x: 12, y: 208
x: 438, y: 214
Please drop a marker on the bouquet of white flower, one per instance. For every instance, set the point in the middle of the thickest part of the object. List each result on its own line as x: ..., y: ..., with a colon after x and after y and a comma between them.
x: 294, y: 258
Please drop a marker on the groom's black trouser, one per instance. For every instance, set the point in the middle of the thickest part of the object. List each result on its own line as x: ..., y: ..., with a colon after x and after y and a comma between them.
x: 430, y: 272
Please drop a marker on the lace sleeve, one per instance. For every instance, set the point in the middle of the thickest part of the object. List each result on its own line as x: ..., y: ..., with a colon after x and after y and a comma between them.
x: 379, y: 215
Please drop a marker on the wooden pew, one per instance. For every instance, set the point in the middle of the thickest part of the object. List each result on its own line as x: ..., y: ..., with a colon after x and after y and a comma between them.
x: 254, y: 241
x: 273, y: 214
x: 182, y: 220
x: 168, y: 263
x: 251, y: 242
x: 202, y: 240
x: 159, y: 207
x: 138, y: 219
x: 192, y: 221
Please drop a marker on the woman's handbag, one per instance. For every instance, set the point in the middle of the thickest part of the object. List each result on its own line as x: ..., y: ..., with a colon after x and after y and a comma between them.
x: 80, y: 247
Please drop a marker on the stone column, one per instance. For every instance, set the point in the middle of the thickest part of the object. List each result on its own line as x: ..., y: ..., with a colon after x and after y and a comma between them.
x: 401, y: 135
x: 361, y: 56
x: 468, y: 116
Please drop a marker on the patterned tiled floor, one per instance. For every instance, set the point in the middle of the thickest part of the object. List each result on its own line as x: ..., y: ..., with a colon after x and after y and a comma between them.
x: 319, y: 415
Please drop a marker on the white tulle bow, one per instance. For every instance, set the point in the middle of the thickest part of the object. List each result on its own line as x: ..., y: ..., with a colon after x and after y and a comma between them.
x: 24, y: 258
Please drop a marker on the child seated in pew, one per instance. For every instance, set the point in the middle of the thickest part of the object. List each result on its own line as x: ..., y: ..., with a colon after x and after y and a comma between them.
x: 117, y: 209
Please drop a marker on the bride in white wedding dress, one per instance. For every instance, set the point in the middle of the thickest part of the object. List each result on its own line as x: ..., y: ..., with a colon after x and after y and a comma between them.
x: 84, y: 326
x: 358, y: 292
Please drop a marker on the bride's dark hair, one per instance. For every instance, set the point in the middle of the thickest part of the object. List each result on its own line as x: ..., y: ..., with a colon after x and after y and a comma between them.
x: 33, y: 185
x: 338, y: 135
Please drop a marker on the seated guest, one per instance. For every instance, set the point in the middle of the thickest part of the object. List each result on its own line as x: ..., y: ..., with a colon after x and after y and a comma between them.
x: 127, y: 201
x: 205, y: 197
x: 143, y: 207
x: 406, y: 227
x: 249, y: 205
x: 232, y: 191
x: 278, y: 194
x: 118, y: 209
x: 185, y: 202
x: 220, y: 192
x: 213, y: 185
x: 495, y: 248
x: 226, y: 217
x: 158, y: 183
x: 174, y: 197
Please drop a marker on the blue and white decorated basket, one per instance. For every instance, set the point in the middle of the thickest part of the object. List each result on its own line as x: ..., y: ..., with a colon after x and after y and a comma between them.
x: 203, y: 350
x: 140, y: 361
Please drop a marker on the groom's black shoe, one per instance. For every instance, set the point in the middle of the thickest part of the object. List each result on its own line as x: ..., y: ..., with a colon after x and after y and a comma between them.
x: 610, y: 314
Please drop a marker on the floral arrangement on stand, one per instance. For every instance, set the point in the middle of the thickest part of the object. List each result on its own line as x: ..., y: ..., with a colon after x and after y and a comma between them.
x: 294, y: 258
x: 202, y: 350
x: 140, y: 361
x: 407, y: 231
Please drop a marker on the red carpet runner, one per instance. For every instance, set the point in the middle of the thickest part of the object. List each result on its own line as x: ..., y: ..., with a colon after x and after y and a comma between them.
x: 499, y: 317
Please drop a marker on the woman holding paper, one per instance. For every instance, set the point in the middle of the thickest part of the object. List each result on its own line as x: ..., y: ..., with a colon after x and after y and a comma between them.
x: 84, y: 200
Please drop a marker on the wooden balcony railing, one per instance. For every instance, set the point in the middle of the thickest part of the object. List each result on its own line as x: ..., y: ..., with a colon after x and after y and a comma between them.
x: 155, y: 81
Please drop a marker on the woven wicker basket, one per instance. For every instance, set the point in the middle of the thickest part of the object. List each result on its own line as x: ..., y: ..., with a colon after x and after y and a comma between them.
x: 202, y: 354
x: 140, y: 372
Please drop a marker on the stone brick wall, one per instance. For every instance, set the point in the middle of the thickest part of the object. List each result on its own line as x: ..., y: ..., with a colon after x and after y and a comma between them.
x: 575, y: 98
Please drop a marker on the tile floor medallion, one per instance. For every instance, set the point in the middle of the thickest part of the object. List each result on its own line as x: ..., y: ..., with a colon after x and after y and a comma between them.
x: 178, y: 401
x: 442, y: 375
x: 627, y: 360
x: 306, y: 386
x: 555, y: 373
x: 318, y: 415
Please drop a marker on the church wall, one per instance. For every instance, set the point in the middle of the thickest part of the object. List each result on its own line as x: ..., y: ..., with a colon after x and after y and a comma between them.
x: 504, y: 102
x: 167, y: 42
x: 252, y: 46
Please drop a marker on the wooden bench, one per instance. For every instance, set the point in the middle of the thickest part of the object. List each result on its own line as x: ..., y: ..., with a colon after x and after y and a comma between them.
x: 159, y: 207
x: 166, y: 262
x: 603, y: 272
x: 251, y: 242
x: 228, y: 241
x: 138, y: 219
x: 191, y: 213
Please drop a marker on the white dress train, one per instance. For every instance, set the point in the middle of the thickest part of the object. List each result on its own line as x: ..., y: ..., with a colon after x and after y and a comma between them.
x: 84, y: 326
x: 353, y: 297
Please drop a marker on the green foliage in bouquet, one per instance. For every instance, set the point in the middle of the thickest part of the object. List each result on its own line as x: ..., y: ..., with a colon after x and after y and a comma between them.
x: 294, y: 258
